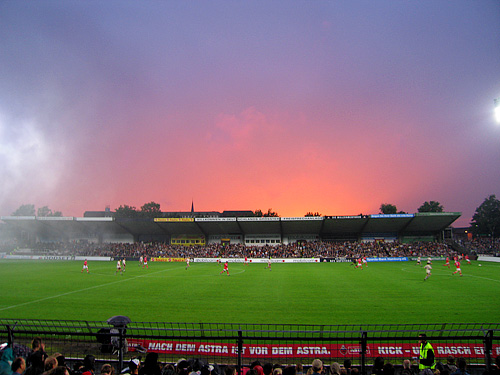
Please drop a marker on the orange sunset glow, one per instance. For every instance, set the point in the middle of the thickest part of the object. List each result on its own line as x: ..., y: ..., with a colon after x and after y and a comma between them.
x: 299, y: 107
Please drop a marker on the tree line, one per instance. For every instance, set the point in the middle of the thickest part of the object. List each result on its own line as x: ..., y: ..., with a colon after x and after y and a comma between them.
x: 485, y: 221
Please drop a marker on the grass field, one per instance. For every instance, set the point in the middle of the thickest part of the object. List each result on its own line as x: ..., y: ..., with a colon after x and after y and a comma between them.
x: 326, y: 293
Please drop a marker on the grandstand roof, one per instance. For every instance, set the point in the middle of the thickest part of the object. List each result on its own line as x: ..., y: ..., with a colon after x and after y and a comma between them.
x: 418, y: 224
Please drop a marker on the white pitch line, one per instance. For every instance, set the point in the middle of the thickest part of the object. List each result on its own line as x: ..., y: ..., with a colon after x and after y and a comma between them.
x: 77, y: 291
x: 485, y: 278
x: 441, y: 273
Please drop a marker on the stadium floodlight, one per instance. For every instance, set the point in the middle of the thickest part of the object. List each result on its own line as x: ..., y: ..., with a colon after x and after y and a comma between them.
x: 497, y: 109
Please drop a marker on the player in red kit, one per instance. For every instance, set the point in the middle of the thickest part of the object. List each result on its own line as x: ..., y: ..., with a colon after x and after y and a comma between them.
x: 447, y: 262
x: 85, y: 266
x: 226, y: 269
x: 360, y: 263
x: 457, y: 265
x: 145, y: 262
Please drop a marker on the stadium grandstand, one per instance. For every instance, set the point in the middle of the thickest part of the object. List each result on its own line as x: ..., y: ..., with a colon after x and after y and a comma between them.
x: 206, y: 228
x: 231, y: 234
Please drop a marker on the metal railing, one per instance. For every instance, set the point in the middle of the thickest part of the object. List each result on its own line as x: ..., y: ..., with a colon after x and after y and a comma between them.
x: 119, y: 339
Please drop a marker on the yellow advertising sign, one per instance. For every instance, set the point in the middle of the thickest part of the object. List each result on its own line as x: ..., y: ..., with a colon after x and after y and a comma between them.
x: 175, y: 219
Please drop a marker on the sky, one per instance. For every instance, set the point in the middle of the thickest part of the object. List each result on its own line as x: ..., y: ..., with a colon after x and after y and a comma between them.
x: 295, y: 106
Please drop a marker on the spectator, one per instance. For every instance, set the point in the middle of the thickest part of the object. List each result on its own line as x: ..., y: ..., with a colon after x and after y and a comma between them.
x: 58, y: 370
x: 335, y: 368
x: 268, y: 368
x: 406, y: 368
x: 290, y: 370
x: 107, y: 369
x: 348, y: 365
x: 151, y: 365
x: 450, y: 364
x: 169, y: 369
x: 77, y: 366
x: 462, y: 367
x: 36, y: 358
x: 88, y: 365
x: 317, y: 366
x: 495, y: 367
x: 61, y: 361
x: 378, y: 366
x: 6, y: 361
x: 49, y: 364
x: 133, y: 367
x: 182, y: 367
x: 230, y: 370
x: 388, y: 369
x: 255, y: 363
x: 299, y: 368
x: 18, y: 366
x: 205, y: 370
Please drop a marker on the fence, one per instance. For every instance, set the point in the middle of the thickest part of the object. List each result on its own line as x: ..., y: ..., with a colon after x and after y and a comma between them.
x: 118, y: 340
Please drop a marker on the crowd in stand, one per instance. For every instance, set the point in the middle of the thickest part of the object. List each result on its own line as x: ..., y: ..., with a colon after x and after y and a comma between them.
x: 483, y: 245
x: 37, y: 362
x: 317, y: 249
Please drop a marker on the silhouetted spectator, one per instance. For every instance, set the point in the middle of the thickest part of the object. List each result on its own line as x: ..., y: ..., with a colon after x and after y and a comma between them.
x: 462, y: 367
x: 151, y: 365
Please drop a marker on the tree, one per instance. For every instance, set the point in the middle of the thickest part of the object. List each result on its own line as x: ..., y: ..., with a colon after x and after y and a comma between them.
x: 44, y: 211
x: 431, y: 206
x: 486, y: 219
x: 271, y: 213
x: 151, y: 209
x: 312, y: 214
x: 25, y: 210
x: 126, y: 211
x: 258, y: 213
x: 387, y: 208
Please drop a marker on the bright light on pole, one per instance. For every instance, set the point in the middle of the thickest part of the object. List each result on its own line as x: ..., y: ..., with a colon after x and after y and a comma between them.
x: 497, y: 109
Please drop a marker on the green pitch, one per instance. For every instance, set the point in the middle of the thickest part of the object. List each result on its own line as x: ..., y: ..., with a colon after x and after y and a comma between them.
x: 326, y: 293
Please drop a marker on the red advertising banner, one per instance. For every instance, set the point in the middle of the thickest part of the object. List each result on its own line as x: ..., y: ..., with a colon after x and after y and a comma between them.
x: 402, y: 350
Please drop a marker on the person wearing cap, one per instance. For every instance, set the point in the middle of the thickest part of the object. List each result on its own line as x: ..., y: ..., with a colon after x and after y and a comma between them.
x: 133, y: 367
x: 317, y: 366
x: 426, y: 357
